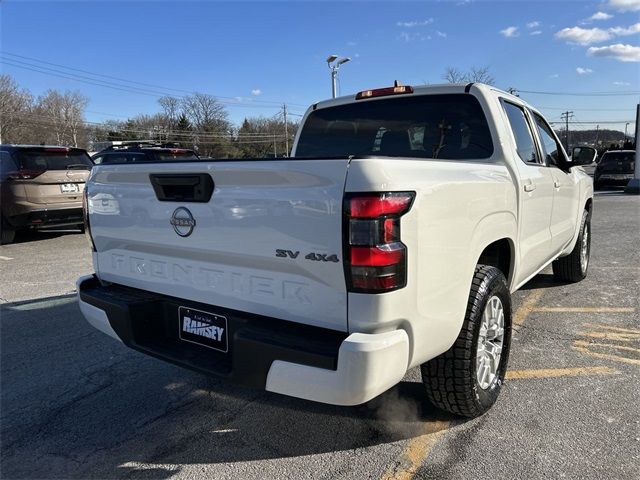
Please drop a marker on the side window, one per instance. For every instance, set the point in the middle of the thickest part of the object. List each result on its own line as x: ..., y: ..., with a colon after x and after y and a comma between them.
x: 522, y: 133
x: 97, y: 160
x: 551, y: 149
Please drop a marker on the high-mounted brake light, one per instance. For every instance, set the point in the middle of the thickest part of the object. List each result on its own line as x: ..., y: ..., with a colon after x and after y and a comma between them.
x: 375, y: 258
x: 24, y: 174
x: 58, y: 149
x: 397, y: 89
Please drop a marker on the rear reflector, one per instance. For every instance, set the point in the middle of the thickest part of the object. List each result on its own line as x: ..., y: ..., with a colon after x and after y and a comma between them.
x: 375, y: 258
x: 384, y: 92
x: 381, y: 256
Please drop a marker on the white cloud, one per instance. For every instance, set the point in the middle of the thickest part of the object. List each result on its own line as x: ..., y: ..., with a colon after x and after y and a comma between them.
x: 536, y: 32
x: 622, y: 84
x: 533, y: 24
x: 621, y: 31
x: 583, y: 71
x: 600, y: 16
x: 555, y: 75
x: 256, y: 92
x: 510, y: 32
x: 351, y: 44
x: 414, y: 36
x: 415, y: 23
x: 583, y: 36
x: 623, y: 53
x: 441, y: 34
x: 625, y: 5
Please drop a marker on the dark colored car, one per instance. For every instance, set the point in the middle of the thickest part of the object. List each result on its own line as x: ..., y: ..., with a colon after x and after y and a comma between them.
x: 615, y: 167
x: 138, y: 152
x: 41, y: 186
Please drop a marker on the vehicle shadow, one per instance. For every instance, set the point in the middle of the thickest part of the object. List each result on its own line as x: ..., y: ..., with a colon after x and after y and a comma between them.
x: 76, y: 403
x: 543, y: 280
x: 28, y: 236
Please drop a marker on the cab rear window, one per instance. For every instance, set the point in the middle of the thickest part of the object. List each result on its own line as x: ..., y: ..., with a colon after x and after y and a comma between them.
x: 618, y: 157
x: 53, y: 159
x: 451, y: 126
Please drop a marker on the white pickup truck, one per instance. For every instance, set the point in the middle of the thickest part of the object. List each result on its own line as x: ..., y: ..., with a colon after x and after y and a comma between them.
x: 392, y: 238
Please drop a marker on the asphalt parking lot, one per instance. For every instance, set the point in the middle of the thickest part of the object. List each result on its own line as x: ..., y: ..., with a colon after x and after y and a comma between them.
x: 77, y: 404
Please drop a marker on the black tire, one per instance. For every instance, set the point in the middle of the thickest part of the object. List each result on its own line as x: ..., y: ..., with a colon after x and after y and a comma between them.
x: 450, y: 380
x: 571, y: 268
x: 7, y: 232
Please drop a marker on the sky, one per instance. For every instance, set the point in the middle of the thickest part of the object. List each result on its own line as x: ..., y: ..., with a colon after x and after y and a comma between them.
x: 255, y: 56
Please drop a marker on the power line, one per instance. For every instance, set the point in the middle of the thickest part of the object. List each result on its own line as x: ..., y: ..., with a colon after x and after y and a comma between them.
x: 153, y: 86
x: 583, y: 94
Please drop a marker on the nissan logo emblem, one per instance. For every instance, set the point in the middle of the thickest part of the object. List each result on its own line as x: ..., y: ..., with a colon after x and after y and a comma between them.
x: 182, y: 221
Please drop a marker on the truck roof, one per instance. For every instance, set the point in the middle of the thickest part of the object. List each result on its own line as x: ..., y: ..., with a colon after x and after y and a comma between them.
x: 442, y: 88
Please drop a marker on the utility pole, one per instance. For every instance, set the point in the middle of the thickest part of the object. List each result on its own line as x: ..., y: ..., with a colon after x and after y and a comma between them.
x: 625, y: 134
x: 634, y: 184
x: 286, y: 131
x: 597, y: 134
x: 566, y: 116
x: 275, y: 152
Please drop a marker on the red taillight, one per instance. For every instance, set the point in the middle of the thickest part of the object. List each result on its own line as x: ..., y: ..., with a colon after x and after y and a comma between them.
x: 376, y: 259
x: 379, y: 205
x: 383, y: 92
x: 24, y: 174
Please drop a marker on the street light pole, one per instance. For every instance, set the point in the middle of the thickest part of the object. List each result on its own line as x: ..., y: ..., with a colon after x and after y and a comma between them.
x: 334, y: 64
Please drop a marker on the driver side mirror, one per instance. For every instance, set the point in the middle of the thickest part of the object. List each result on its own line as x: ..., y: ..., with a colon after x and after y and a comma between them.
x: 583, y: 156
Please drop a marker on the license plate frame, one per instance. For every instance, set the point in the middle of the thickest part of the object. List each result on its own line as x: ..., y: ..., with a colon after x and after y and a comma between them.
x: 203, y: 328
x: 69, y: 188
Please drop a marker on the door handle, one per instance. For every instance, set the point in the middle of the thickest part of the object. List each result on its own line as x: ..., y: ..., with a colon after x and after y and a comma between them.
x: 530, y: 187
x: 556, y: 184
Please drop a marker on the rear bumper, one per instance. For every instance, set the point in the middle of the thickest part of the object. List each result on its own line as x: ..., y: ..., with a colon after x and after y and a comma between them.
x: 47, y: 217
x: 275, y: 355
x: 613, y: 178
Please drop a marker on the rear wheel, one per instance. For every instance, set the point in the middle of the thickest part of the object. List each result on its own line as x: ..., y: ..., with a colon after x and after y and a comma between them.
x: 7, y: 232
x: 467, y: 379
x: 574, y: 266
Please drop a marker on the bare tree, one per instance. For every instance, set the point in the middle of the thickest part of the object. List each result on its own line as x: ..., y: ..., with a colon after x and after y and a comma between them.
x: 171, y: 108
x: 453, y: 75
x: 212, y: 131
x: 15, y: 106
x: 475, y: 74
x: 62, y: 115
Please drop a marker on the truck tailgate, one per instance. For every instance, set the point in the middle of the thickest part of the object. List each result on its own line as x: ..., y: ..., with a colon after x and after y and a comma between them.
x: 269, y: 240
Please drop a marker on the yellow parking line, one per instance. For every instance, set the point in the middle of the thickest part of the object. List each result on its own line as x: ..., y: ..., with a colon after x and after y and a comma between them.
x: 582, y: 343
x: 558, y: 372
x: 527, y: 306
x: 418, y: 448
x: 615, y: 329
x: 585, y: 309
x: 606, y: 356
x: 416, y: 451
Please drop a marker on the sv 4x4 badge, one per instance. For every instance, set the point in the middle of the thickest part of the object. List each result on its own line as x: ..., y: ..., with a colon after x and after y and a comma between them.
x: 317, y: 257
